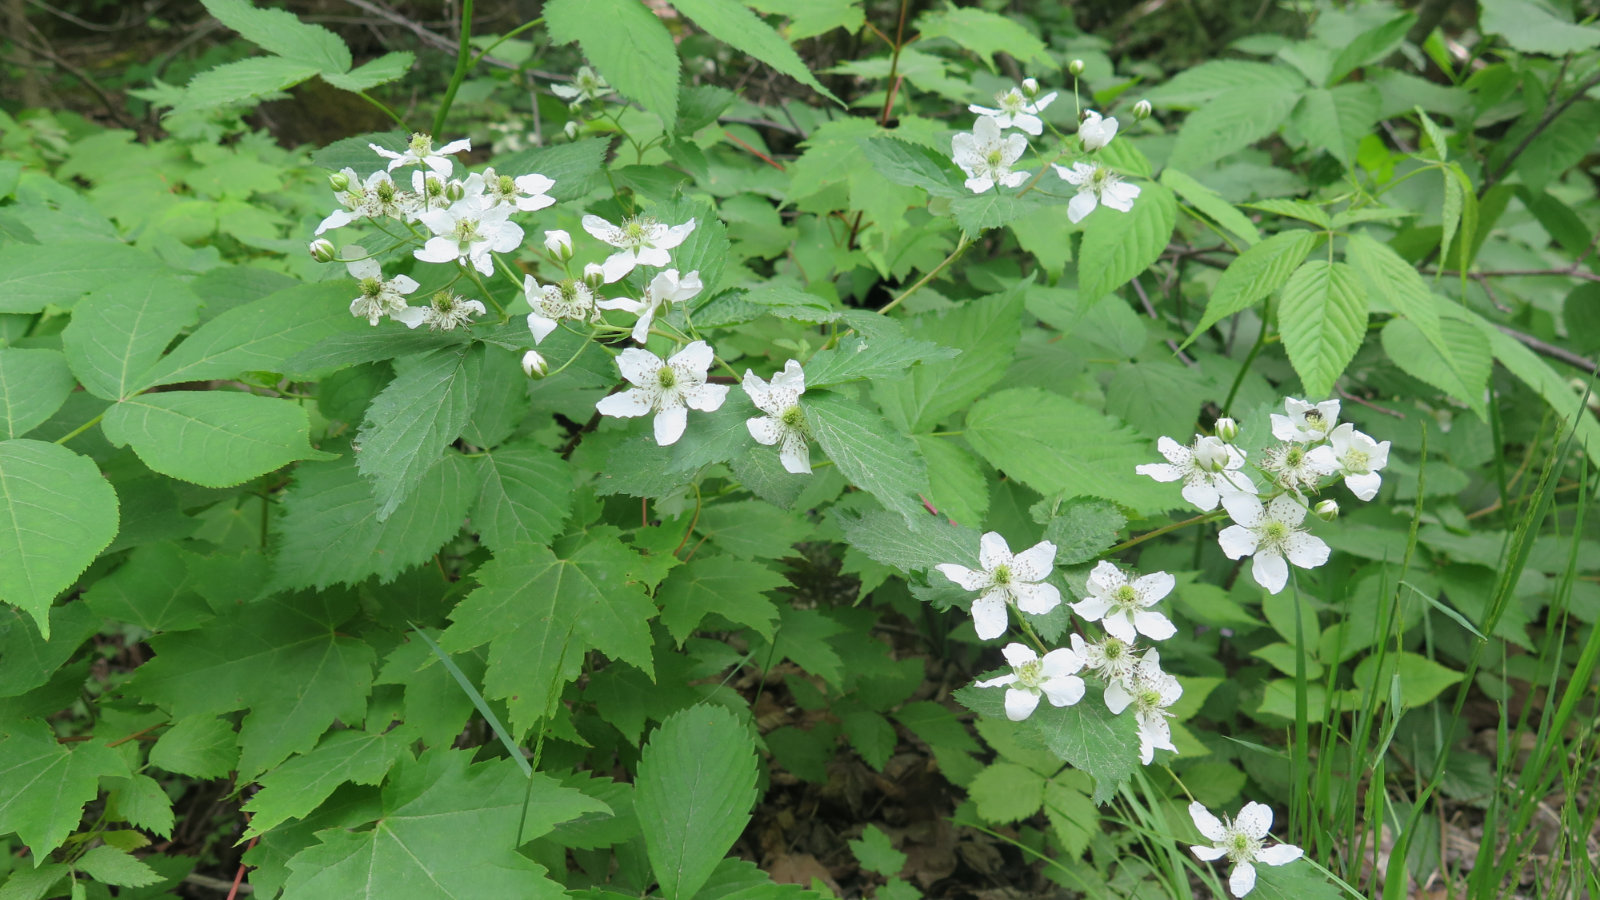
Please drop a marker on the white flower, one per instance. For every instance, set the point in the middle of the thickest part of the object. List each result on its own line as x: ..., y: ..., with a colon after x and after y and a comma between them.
x: 567, y: 299
x: 534, y: 364
x: 641, y: 241
x: 987, y: 158
x: 668, y: 388
x: 1111, y: 658
x: 467, y: 232
x: 377, y: 196
x: 1004, y: 579
x: 1149, y: 691
x: 1054, y: 676
x: 525, y: 192
x: 443, y: 313
x: 1357, y: 457
x: 1271, y: 534
x: 666, y: 287
x: 785, y: 422
x: 1017, y: 110
x: 1208, y: 470
x: 421, y: 152
x: 1304, y: 421
x: 1122, y: 607
x: 586, y: 85
x: 1096, y: 184
x: 1241, y: 842
x: 1096, y: 132
x: 558, y: 244
x: 1294, y: 468
x: 378, y: 297
x: 428, y: 191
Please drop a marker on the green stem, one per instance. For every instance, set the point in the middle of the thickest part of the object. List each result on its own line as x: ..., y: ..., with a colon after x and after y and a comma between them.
x: 463, y: 63
x: 487, y: 295
x: 506, y: 37
x: 1193, y: 520
x: 961, y: 247
x: 80, y: 429
x: 1244, y: 367
x: 386, y: 110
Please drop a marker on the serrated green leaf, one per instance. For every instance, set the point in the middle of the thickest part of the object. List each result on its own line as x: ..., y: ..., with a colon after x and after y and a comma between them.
x: 150, y: 590
x: 860, y: 357
x: 330, y: 531
x: 1232, y: 121
x: 119, y: 330
x: 33, y: 385
x: 1121, y: 245
x: 575, y: 167
x: 525, y: 495
x: 994, y: 208
x: 33, y: 884
x: 1534, y: 28
x: 876, y: 854
x: 295, y: 788
x: 985, y: 331
x: 260, y: 336
x: 1006, y: 792
x: 888, y: 539
x: 881, y: 462
x: 1295, y: 209
x: 913, y: 165
x: 1323, y: 318
x: 1370, y: 46
x: 241, y: 81
x: 724, y: 585
x: 1059, y: 446
x: 386, y: 68
x: 47, y: 783
x: 56, y: 514
x: 1212, y: 204
x: 1562, y: 144
x: 27, y: 659
x: 30, y: 280
x: 539, y: 613
x: 1254, y: 275
x: 1401, y: 285
x: 282, y: 658
x: 1085, y: 735
x: 409, y: 424
x: 986, y: 33
x: 1337, y: 119
x: 1295, y: 881
x: 1197, y: 85
x: 693, y: 794
x: 211, y: 438
x: 108, y: 865
x: 732, y: 23
x: 959, y: 490
x: 276, y: 31
x: 628, y: 44
x: 432, y: 829
x: 1082, y: 529
x: 200, y: 746
x: 1544, y: 380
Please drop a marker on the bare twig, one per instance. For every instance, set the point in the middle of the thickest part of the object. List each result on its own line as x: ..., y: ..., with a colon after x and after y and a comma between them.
x: 439, y: 41
x: 1552, y: 351
x: 1150, y: 310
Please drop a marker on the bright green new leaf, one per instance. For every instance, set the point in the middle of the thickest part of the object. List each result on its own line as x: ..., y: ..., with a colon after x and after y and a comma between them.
x: 1370, y: 45
x: 876, y: 854
x: 986, y: 33
x: 1212, y: 204
x: 410, y: 424
x: 30, y: 280
x: 1463, y: 373
x: 300, y: 785
x: 909, y: 164
x: 881, y: 462
x: 539, y: 613
x: 1006, y: 792
x: 722, y: 585
x: 733, y: 24
x: 33, y: 385
x: 119, y: 330
x: 1336, y: 119
x: 526, y: 492
x: 984, y: 330
x: 445, y: 824
x: 809, y: 18
x: 1534, y: 27
x: 628, y: 44
x: 1197, y: 86
x: 47, y: 782
x: 1254, y: 275
x: 693, y: 794
x: 108, y: 865
x: 276, y: 31
x: 1120, y: 245
x: 56, y: 514
x: 1295, y: 881
x: 960, y: 490
x: 241, y: 81
x: 1322, y: 319
x: 386, y: 68
x: 1398, y: 282
x: 211, y: 438
x: 282, y: 658
x: 1233, y: 121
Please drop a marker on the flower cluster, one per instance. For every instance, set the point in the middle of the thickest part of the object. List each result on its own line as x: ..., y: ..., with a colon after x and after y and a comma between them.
x: 1269, y: 517
x: 989, y: 156
x: 1242, y: 841
x: 1123, y: 607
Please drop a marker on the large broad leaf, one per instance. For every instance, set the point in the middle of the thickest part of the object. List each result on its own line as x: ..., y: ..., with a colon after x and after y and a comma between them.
x: 300, y: 785
x: 33, y: 385
x: 260, y: 336
x: 881, y: 462
x: 120, y: 330
x: 628, y: 44
x: 729, y: 587
x: 1370, y: 46
x: 887, y: 538
x: 1533, y: 27
x: 282, y: 658
x: 526, y: 492
x: 47, y: 783
x: 693, y: 794
x: 1537, y: 374
x: 986, y: 33
x: 984, y: 330
x: 445, y: 828
x: 1059, y: 446
x: 276, y: 31
x: 386, y: 68
x: 910, y: 164
x: 1086, y: 735
x: 573, y: 166
x: 237, y: 82
x: 211, y: 438
x: 1398, y: 282
x: 1212, y: 204
x: 1120, y: 245
x: 1256, y: 273
x: 330, y: 531
x: 540, y: 613
x: 735, y: 25
x: 1337, y: 119
x: 1323, y: 318
x: 56, y: 515
x: 410, y: 424
x: 31, y: 280
x: 1233, y: 121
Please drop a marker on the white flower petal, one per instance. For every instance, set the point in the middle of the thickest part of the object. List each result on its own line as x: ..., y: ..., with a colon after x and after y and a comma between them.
x: 1020, y: 703
x: 1208, y: 854
x: 1018, y: 654
x: 1245, y: 509
x: 1035, y: 562
x: 641, y: 367
x: 1366, y: 486
x: 600, y: 229
x: 1237, y: 541
x: 1080, y: 206
x: 1151, y: 588
x: 997, y: 681
x: 540, y: 327
x: 707, y: 398
x: 1255, y: 820
x: 989, y: 617
x: 1279, y: 854
x: 795, y: 454
x: 1092, y: 609
x: 1242, y: 880
x: 1061, y: 662
x: 1209, y: 825
x: 1063, y: 690
x: 1117, y: 698
x: 1306, y: 550
x: 768, y: 431
x: 969, y: 579
x: 617, y: 265
x: 1036, y: 599
x: 1120, y: 626
x: 1202, y: 495
x: 626, y: 404
x: 669, y: 424
x: 993, y: 550
x: 698, y: 356
x: 1161, y: 472
x: 1270, y: 571
x: 1154, y: 625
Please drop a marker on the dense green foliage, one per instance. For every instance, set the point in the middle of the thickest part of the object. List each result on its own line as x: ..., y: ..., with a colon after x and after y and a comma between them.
x: 530, y: 536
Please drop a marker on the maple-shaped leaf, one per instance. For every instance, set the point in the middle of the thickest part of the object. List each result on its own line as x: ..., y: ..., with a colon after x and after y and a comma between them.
x: 446, y: 829
x: 280, y: 658
x: 539, y: 613
x: 47, y: 783
x: 301, y: 784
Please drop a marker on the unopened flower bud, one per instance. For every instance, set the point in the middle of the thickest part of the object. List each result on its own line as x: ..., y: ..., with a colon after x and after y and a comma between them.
x: 1227, y: 429
x: 1075, y: 67
x: 1030, y: 86
x: 1326, y: 510
x: 559, y: 243
x: 534, y: 365
x: 571, y: 129
x: 322, y: 250
x: 1142, y: 110
x: 594, y: 275
x: 339, y: 181
x: 455, y: 191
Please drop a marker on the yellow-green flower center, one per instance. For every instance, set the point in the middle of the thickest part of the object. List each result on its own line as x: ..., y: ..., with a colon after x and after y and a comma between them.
x: 421, y: 143
x: 1031, y: 673
x: 666, y: 377
x: 1002, y: 575
x: 371, y: 287
x: 507, y: 185
x: 793, y: 417
x: 1357, y: 461
x: 1125, y: 596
